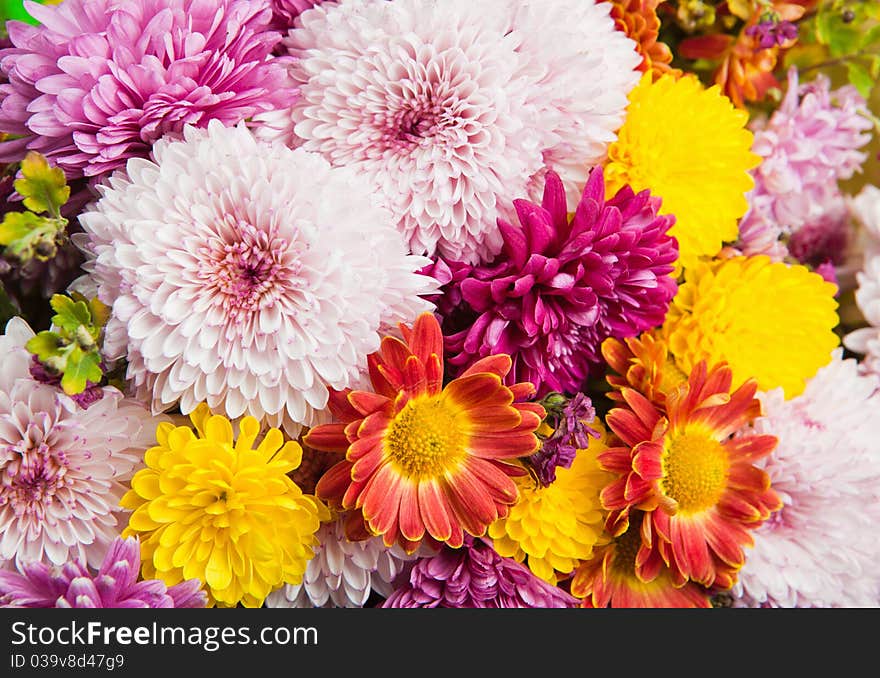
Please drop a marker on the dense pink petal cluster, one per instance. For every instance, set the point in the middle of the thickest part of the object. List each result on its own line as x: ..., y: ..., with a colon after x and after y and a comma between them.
x: 809, y: 144
x: 114, y: 585
x: 559, y: 287
x: 285, y: 11
x: 63, y: 468
x: 475, y: 576
x: 101, y: 80
x: 445, y: 107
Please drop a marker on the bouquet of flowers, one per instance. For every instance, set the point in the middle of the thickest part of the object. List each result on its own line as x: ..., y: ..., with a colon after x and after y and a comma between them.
x: 440, y: 303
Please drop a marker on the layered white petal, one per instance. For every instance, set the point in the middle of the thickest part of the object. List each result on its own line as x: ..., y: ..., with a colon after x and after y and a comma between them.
x: 246, y: 275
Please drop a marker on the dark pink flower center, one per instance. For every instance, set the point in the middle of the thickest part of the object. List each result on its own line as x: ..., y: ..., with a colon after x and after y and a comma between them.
x: 247, y: 274
x: 31, y: 478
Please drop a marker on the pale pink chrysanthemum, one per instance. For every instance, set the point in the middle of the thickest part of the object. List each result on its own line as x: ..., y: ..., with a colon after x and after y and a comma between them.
x: 247, y: 275
x: 343, y: 573
x: 866, y: 340
x: 810, y: 143
x: 446, y: 108
x: 865, y: 210
x: 819, y: 550
x: 62, y: 467
x: 99, y: 81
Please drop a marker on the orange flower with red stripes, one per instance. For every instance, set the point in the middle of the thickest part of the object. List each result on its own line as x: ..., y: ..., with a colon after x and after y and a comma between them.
x: 629, y: 572
x: 697, y: 481
x: 642, y: 363
x: 426, y: 462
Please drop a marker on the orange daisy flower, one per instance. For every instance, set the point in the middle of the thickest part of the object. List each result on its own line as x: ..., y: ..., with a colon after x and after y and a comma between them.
x: 642, y: 363
x: 697, y: 482
x: 424, y: 462
x: 628, y: 572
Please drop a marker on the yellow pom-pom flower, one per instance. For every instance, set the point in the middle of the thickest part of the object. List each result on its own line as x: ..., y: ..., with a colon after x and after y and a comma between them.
x: 689, y: 146
x: 552, y: 528
x: 211, y: 507
x: 768, y: 320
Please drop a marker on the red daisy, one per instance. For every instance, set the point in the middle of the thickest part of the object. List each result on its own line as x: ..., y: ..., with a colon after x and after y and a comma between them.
x: 699, y: 485
x: 424, y: 462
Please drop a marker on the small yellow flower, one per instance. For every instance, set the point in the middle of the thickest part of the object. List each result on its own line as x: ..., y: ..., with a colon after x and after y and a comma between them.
x: 689, y: 146
x: 210, y: 507
x: 553, y: 528
x: 768, y: 320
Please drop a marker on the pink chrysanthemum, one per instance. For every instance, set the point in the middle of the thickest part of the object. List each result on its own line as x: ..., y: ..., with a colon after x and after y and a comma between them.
x: 560, y: 288
x: 446, y: 107
x: 819, y: 549
x: 114, y: 585
x: 810, y: 143
x: 62, y: 467
x: 285, y: 11
x: 247, y: 275
x: 101, y: 80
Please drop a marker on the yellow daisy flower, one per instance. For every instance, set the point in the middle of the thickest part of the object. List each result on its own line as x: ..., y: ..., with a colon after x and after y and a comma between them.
x: 210, y: 507
x: 555, y: 527
x: 690, y: 146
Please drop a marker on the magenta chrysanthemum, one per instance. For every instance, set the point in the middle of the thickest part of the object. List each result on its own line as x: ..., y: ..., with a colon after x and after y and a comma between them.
x: 285, y: 11
x: 475, y: 576
x: 559, y: 288
x: 809, y: 144
x: 62, y: 467
x: 246, y: 275
x: 101, y: 80
x: 114, y: 585
x: 446, y: 107
x: 819, y: 549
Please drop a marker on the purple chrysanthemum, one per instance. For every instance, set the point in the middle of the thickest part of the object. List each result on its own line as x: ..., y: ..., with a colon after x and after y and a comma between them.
x: 558, y: 289
x: 115, y: 584
x: 475, y: 576
x: 101, y: 80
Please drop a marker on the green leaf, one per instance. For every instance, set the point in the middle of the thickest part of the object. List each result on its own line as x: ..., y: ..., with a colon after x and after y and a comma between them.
x: 43, y: 187
x: 27, y: 235
x: 860, y: 77
x: 99, y: 310
x: 44, y: 345
x: 81, y: 368
x: 18, y: 225
x: 70, y: 314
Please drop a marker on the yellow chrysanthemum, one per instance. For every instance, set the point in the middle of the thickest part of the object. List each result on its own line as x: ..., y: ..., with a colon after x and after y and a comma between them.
x: 553, y: 528
x: 768, y: 320
x: 689, y: 146
x: 210, y: 507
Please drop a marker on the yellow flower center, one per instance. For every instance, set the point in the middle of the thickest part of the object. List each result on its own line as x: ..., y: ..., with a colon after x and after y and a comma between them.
x: 426, y: 438
x: 694, y: 471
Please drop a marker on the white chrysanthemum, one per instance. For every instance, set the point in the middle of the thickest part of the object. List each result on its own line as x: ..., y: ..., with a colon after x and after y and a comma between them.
x: 820, y: 549
x: 866, y: 340
x: 453, y: 108
x: 343, y: 573
x: 247, y: 275
x: 62, y: 467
